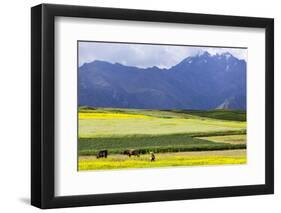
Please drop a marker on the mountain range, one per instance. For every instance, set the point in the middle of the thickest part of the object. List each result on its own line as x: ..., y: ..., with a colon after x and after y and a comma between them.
x: 200, y: 82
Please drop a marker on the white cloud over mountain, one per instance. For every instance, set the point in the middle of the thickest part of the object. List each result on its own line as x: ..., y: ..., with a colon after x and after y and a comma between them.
x: 146, y: 55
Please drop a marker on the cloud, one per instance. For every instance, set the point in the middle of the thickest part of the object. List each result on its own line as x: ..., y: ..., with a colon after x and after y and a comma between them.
x: 145, y: 55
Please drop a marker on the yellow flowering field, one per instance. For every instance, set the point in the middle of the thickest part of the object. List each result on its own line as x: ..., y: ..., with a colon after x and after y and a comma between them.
x: 164, y: 160
x: 99, y: 115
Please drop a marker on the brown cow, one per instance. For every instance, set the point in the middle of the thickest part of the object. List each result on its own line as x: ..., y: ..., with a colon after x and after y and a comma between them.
x: 132, y: 152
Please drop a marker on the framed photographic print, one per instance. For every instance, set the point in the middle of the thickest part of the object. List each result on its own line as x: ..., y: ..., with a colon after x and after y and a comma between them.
x: 139, y: 106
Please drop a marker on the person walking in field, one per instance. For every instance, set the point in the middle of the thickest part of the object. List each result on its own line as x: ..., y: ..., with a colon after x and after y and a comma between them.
x: 152, y: 156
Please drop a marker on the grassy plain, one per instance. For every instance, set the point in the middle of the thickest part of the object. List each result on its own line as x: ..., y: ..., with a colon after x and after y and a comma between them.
x: 230, y: 139
x: 167, y: 133
x: 110, y: 123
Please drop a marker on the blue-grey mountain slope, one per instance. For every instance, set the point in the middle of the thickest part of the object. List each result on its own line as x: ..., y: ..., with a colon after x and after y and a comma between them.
x: 200, y: 82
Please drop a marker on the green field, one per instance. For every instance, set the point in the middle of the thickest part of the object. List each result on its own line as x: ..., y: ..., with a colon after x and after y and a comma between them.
x: 231, y: 139
x: 166, y: 133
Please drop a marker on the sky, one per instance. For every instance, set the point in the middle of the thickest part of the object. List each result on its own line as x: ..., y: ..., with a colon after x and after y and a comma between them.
x: 145, y: 55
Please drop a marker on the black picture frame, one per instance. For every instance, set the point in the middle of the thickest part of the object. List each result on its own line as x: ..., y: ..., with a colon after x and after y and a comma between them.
x: 43, y: 102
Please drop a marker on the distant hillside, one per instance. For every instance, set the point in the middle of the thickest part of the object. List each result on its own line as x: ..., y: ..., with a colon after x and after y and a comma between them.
x: 200, y: 82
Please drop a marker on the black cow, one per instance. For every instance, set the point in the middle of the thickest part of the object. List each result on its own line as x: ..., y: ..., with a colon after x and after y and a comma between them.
x: 132, y: 152
x: 102, y: 154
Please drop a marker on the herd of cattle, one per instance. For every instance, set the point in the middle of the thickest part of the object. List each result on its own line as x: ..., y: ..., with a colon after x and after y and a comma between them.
x: 132, y: 152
